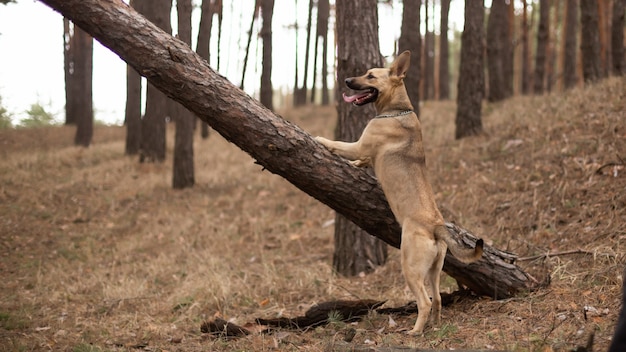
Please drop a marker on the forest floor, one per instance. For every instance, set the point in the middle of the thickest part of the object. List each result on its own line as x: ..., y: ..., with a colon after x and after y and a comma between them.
x: 99, y: 253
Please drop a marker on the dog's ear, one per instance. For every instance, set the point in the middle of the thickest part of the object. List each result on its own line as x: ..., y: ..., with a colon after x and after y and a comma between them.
x: 401, y: 64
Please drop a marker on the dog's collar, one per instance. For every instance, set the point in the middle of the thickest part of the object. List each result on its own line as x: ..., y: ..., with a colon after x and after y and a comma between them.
x: 401, y: 113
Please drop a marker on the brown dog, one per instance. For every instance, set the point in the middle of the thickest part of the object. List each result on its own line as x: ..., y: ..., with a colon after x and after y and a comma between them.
x: 392, y: 144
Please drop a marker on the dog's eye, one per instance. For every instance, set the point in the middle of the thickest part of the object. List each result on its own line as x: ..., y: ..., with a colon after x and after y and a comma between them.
x: 370, y: 76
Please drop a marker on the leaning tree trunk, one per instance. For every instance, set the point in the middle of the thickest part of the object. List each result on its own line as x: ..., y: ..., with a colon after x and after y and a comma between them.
x: 278, y: 145
x: 357, y: 51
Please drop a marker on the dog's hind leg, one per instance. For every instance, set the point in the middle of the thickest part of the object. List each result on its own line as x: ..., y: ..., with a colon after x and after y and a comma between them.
x: 418, y: 252
x: 434, y: 275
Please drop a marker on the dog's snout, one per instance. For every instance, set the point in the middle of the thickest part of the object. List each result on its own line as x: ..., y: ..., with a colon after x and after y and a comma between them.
x: 348, y: 81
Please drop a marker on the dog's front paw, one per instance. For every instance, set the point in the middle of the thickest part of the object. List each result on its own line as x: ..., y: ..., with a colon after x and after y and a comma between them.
x: 360, y: 163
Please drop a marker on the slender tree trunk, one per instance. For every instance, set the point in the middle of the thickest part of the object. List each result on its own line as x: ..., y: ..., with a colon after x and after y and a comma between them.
x: 203, y: 44
x: 68, y: 60
x: 153, y: 123
x: 132, y: 118
x: 410, y: 39
x: 267, y: 92
x: 617, y: 38
x: 255, y: 13
x: 570, y: 77
x: 497, y: 35
x: 509, y: 51
x: 183, y: 169
x: 357, y: 51
x: 444, y: 53
x: 323, y: 7
x: 292, y: 153
x: 302, y: 92
x: 542, y: 45
x: 590, y: 40
x: 83, y: 72
x: 429, y: 54
x: 471, y: 79
x: 525, y: 50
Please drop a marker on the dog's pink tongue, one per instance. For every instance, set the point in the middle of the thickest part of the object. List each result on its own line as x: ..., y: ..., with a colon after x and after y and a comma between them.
x: 352, y: 98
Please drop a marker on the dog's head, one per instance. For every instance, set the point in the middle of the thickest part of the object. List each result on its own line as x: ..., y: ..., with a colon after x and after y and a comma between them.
x: 379, y: 85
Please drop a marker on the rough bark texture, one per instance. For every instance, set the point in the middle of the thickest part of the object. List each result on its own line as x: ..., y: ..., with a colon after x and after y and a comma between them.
x: 617, y: 38
x: 267, y: 92
x: 153, y: 123
x: 570, y: 52
x: 590, y: 40
x: 410, y: 39
x: 357, y: 51
x: 497, y: 35
x: 183, y: 169
x: 444, y: 53
x: 542, y: 45
x: 429, y: 56
x: 203, y: 43
x: 278, y: 145
x: 471, y: 80
x: 83, y: 69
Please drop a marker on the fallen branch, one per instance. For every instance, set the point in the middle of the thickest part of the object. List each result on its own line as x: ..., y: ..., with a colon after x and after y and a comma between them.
x: 554, y: 254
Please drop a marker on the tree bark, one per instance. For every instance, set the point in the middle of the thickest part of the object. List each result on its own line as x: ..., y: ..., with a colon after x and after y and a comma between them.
x: 323, y: 8
x: 471, y: 77
x: 357, y: 51
x: 617, y: 38
x: 542, y: 45
x: 444, y: 53
x: 429, y: 56
x: 153, y: 123
x: 525, y: 50
x: 570, y: 52
x: 411, y: 39
x: 497, y: 35
x: 203, y: 45
x: 590, y: 40
x: 278, y: 145
x: 183, y: 169
x: 267, y: 92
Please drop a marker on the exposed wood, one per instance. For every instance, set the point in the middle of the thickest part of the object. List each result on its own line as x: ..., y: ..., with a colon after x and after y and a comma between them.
x: 278, y: 145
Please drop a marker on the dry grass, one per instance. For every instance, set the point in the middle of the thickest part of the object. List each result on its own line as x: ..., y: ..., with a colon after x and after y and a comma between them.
x: 98, y: 253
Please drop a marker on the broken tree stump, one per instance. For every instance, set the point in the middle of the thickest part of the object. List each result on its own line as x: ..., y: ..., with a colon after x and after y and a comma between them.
x: 276, y: 144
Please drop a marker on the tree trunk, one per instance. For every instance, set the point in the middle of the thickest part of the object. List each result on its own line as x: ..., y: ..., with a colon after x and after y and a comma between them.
x: 590, y: 40
x: 68, y: 66
x: 509, y: 51
x: 83, y: 71
x: 497, y: 35
x: 357, y: 51
x: 153, y: 123
x: 617, y: 38
x: 323, y: 8
x: 410, y: 39
x: 203, y: 45
x: 277, y: 145
x: 471, y: 79
x: 245, y: 59
x: 183, y: 169
x: 429, y: 56
x: 444, y: 53
x: 302, y: 92
x: 267, y: 93
x: 132, y: 117
x: 570, y: 52
x: 542, y: 45
x: 525, y: 50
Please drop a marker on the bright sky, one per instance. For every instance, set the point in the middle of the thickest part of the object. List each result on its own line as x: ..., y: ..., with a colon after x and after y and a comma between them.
x: 31, y: 63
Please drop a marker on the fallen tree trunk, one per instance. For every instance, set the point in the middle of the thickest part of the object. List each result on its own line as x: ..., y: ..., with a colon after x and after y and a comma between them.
x: 276, y: 144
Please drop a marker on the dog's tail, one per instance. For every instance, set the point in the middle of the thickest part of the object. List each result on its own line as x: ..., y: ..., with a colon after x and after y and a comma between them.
x: 466, y: 255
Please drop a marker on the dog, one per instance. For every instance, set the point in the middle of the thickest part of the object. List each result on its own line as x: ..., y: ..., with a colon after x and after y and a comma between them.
x: 391, y: 143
